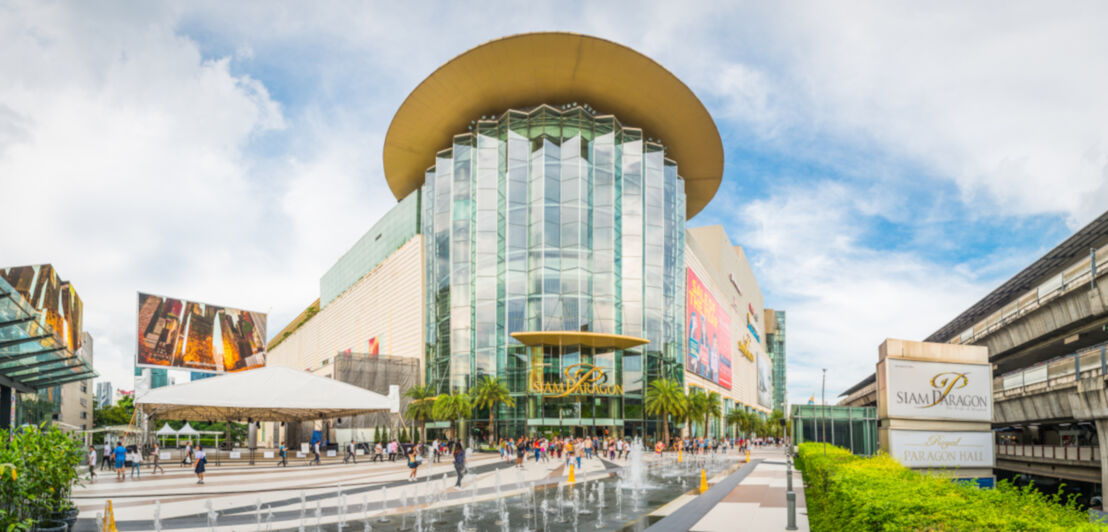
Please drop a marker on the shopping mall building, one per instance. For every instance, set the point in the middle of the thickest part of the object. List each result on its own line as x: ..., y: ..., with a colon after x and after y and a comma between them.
x: 544, y: 182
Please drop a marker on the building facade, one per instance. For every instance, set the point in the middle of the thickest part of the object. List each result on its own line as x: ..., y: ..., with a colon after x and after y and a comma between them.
x: 540, y: 238
x: 104, y: 396
x: 775, y: 346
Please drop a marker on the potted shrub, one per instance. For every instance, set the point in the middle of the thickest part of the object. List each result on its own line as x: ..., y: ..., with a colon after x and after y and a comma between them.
x: 37, y: 489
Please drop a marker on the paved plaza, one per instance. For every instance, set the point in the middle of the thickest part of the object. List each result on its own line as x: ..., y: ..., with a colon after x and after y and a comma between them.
x: 265, y: 497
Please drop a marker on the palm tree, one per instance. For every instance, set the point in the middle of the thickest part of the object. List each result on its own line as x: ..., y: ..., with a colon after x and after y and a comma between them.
x: 712, y: 409
x: 697, y: 407
x: 452, y: 407
x: 488, y: 394
x: 737, y: 419
x: 420, y: 408
x: 665, y: 397
x: 775, y: 427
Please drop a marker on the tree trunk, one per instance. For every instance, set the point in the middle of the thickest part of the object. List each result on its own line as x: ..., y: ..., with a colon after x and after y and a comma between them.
x: 707, y: 417
x: 665, y: 430
x: 492, y: 423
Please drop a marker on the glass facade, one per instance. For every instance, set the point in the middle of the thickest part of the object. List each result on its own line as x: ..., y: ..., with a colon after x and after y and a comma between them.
x: 775, y: 347
x: 553, y: 219
x: 850, y: 427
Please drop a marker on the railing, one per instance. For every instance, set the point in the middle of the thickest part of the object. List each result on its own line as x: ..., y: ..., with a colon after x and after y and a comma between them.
x: 1086, y: 363
x: 1074, y: 453
x: 1076, y: 275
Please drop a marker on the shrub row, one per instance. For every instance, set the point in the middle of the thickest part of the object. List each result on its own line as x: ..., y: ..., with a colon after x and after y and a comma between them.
x: 845, y: 492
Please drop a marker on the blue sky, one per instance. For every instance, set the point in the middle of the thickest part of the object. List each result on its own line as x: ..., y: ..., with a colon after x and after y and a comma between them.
x: 887, y: 164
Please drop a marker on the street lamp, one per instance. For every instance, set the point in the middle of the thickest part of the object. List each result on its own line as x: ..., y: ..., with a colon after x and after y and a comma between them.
x: 823, y: 409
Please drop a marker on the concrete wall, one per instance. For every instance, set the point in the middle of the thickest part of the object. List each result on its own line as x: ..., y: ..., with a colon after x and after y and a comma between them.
x: 387, y: 303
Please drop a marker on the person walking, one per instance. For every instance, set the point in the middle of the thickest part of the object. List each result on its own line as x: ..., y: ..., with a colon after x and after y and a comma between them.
x: 284, y: 456
x: 136, y: 463
x: 107, y: 462
x: 350, y: 453
x: 157, y: 458
x: 186, y: 458
x: 413, y: 462
x: 201, y: 461
x: 315, y: 451
x: 92, y: 463
x: 577, y: 449
x: 459, y: 463
x: 120, y: 454
x: 378, y: 453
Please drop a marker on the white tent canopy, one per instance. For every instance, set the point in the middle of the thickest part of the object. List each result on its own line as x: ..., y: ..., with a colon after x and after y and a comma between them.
x: 187, y: 430
x: 166, y: 430
x: 272, y: 393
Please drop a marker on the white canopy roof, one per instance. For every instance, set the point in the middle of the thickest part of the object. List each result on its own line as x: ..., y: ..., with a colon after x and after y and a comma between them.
x: 166, y: 430
x: 187, y: 430
x: 272, y: 393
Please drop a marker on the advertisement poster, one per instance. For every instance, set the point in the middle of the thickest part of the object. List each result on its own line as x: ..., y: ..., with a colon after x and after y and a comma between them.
x: 938, y: 390
x: 765, y: 381
x: 184, y: 334
x: 709, y: 328
x: 925, y: 448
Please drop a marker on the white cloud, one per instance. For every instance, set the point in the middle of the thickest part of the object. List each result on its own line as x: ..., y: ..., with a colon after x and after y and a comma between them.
x: 842, y: 299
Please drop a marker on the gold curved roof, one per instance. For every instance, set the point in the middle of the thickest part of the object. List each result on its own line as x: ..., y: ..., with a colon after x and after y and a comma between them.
x: 556, y: 68
x: 590, y: 339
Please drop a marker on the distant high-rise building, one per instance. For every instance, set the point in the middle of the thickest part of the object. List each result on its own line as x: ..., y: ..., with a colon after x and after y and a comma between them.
x: 197, y: 375
x: 104, y: 394
x: 775, y: 345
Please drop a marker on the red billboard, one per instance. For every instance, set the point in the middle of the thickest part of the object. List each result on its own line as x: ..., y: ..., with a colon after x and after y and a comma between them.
x: 709, y: 327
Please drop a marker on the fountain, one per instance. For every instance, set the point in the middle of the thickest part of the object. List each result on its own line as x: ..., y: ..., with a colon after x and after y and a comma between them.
x: 384, y: 504
x: 303, y: 510
x: 258, y: 513
x: 341, y: 498
x: 157, y: 516
x: 636, y: 474
x: 213, y: 516
x: 269, y: 517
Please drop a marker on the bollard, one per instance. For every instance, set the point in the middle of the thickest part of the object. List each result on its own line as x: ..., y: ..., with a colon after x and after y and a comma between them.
x: 748, y: 456
x: 790, y: 503
x: 572, y: 479
x: 679, y: 455
x: 788, y: 473
x: 703, y: 481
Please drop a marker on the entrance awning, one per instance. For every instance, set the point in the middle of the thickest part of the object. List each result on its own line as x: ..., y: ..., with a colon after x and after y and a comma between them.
x: 272, y: 393
x: 33, y: 356
x: 589, y: 339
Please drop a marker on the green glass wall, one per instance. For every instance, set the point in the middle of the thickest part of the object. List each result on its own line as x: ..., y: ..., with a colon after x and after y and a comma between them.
x: 552, y: 219
x: 850, y: 427
x: 775, y: 347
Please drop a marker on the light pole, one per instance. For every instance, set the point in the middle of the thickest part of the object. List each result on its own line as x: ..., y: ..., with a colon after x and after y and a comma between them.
x: 823, y: 409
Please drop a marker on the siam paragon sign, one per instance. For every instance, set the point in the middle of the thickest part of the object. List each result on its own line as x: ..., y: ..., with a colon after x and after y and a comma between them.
x: 578, y: 379
x: 938, y: 390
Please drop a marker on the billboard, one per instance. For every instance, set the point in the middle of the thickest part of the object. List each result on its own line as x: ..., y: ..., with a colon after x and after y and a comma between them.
x: 55, y: 301
x: 765, y: 381
x: 938, y: 390
x: 709, y: 327
x: 185, y: 334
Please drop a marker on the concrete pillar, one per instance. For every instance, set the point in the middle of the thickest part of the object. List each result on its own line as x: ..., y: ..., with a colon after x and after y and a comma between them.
x: 1102, y: 442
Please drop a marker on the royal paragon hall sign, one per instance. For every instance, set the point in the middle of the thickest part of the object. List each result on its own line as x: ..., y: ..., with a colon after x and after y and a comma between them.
x: 935, y: 405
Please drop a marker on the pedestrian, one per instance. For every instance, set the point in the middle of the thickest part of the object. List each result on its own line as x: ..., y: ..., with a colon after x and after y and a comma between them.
x: 92, y: 463
x: 579, y: 452
x: 459, y: 463
x: 157, y: 458
x: 107, y: 462
x: 136, y: 463
x: 186, y: 459
x: 435, y: 451
x: 521, y: 451
x: 201, y: 461
x: 378, y: 453
x: 120, y: 453
x: 413, y: 462
x: 350, y: 453
x: 315, y: 451
x: 284, y: 456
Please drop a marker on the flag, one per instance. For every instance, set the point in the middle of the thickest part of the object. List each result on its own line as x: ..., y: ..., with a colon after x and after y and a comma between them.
x: 812, y: 400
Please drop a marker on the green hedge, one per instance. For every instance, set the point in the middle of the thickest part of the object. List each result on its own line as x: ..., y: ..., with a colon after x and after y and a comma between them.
x: 845, y: 492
